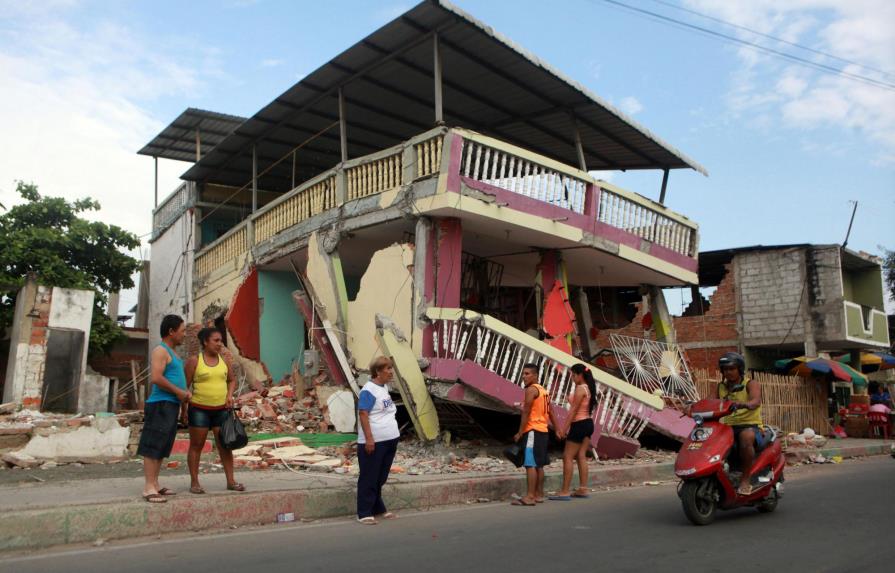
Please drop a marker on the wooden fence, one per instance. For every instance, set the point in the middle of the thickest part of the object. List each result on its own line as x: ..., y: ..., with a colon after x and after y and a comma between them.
x: 791, y: 403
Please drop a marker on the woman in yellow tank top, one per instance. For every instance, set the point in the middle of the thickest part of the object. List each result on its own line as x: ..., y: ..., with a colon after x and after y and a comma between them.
x: 212, y: 384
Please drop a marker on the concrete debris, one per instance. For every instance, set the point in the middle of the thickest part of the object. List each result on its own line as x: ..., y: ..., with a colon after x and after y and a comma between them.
x: 278, y: 408
x: 807, y: 439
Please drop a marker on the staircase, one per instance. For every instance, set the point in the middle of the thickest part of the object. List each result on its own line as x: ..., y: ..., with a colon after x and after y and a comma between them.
x: 486, y: 354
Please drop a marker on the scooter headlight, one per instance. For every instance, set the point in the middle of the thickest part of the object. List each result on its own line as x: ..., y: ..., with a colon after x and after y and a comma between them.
x: 700, y: 434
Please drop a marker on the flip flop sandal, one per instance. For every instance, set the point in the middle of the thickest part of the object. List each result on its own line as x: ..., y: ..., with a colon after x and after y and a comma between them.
x: 166, y: 491
x: 155, y: 498
x: 580, y: 494
x: 520, y: 502
x: 236, y: 487
x: 197, y: 490
x: 388, y: 515
x: 560, y: 498
x: 367, y: 520
x: 540, y: 499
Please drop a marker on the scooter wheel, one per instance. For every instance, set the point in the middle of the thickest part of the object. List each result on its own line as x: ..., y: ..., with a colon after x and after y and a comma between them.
x: 769, y: 503
x: 699, y: 499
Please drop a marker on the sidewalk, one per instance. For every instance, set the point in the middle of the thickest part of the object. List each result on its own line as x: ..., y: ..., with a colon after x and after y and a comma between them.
x: 42, y: 515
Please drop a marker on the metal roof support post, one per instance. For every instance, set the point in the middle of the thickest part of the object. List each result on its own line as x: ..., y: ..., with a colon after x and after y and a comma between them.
x: 198, y: 145
x: 294, y: 161
x: 254, y: 179
x: 436, y: 66
x: 579, y: 148
x: 664, y: 187
x: 343, y: 126
x: 156, y: 179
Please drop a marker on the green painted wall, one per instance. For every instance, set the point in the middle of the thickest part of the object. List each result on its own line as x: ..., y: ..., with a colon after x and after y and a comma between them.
x: 863, y: 287
x: 282, y: 329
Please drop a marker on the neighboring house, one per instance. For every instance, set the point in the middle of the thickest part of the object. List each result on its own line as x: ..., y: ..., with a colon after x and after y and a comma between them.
x: 428, y: 190
x: 782, y: 301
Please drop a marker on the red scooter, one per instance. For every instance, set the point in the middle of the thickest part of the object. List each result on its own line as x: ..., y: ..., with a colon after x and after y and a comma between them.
x: 708, y: 471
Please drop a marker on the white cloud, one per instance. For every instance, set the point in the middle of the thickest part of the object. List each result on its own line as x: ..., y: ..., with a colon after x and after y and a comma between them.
x: 74, y: 109
x: 271, y: 62
x: 630, y: 105
x: 802, y: 98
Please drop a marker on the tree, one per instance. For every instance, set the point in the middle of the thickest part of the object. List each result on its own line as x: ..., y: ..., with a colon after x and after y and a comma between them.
x: 48, y: 237
x: 889, y: 271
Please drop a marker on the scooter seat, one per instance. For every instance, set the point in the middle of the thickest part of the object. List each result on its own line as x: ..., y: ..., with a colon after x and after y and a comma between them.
x: 765, y: 438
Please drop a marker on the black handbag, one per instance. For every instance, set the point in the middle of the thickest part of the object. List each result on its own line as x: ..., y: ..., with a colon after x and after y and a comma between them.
x: 233, y: 433
x: 515, y: 453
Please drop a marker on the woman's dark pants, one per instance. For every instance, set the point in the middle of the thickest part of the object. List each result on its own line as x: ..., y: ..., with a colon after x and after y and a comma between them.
x: 374, y: 470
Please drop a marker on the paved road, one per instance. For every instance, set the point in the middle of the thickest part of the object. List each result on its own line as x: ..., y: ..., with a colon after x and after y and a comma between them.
x: 833, y: 518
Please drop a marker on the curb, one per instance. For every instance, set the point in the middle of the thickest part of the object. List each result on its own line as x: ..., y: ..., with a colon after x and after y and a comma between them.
x: 800, y: 455
x: 52, y: 526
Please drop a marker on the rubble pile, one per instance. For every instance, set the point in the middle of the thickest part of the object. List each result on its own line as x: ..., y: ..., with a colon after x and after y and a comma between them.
x: 807, y: 439
x: 287, y: 407
x: 290, y: 452
x: 29, y: 438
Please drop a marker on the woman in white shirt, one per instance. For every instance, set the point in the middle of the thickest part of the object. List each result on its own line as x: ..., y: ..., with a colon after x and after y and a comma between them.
x: 377, y: 442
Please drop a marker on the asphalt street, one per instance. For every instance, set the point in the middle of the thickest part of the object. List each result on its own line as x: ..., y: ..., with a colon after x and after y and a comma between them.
x: 832, y: 518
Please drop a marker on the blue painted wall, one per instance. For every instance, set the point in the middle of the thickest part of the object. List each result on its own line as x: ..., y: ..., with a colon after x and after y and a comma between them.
x: 282, y: 329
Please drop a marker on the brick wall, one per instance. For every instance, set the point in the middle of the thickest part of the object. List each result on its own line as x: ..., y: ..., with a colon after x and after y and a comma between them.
x: 704, y: 337
x: 772, y: 285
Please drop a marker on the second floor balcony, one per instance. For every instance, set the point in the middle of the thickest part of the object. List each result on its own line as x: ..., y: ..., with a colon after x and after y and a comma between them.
x: 459, y: 173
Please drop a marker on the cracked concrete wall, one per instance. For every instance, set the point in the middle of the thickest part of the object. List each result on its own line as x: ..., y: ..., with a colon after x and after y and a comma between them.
x: 324, y: 272
x: 386, y: 288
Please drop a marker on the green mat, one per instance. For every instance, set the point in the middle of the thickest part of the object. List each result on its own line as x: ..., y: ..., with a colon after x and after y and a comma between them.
x: 311, y: 440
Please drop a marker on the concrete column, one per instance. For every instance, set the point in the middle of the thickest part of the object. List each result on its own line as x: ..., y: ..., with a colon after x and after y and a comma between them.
x: 343, y: 127
x: 436, y: 66
x: 448, y: 251
x: 112, y: 305
x: 584, y: 322
x: 254, y: 179
x: 662, y: 320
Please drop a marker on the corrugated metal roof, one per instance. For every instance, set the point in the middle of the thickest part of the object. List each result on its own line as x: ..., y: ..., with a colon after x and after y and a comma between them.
x: 490, y: 85
x: 178, y: 139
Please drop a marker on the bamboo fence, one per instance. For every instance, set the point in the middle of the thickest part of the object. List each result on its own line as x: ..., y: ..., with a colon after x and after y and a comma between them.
x: 790, y: 403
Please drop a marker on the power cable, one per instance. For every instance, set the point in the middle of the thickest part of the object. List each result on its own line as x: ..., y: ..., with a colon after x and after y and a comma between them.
x: 774, y: 38
x: 752, y: 45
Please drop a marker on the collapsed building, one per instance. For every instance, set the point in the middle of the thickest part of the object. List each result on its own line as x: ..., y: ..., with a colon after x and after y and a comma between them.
x: 426, y: 194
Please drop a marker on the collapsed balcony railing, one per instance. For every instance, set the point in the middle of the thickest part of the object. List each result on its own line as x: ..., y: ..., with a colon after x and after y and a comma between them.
x: 458, y: 334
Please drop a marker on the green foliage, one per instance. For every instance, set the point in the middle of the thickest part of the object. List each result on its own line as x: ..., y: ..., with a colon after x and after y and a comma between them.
x: 889, y: 271
x: 47, y: 237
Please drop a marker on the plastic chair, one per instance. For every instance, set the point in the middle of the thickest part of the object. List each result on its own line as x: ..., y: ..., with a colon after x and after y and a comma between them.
x: 878, y: 421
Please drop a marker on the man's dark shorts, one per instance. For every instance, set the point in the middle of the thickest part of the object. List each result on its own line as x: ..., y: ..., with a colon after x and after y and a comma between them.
x: 535, y: 444
x: 205, y: 418
x: 737, y: 430
x: 159, y: 429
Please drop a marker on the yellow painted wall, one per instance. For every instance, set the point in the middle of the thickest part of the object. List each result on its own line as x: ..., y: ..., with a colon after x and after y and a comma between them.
x: 386, y: 288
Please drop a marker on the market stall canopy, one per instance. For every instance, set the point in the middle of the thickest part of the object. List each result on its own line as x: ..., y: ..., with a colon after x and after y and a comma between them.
x: 807, y: 366
x: 490, y: 85
x: 872, y: 361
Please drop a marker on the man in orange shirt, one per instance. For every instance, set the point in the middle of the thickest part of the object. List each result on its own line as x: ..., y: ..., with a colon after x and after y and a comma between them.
x: 536, y: 412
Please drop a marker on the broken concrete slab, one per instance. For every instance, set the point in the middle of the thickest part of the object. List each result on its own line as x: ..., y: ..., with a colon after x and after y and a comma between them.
x: 21, y: 460
x: 86, y: 443
x: 409, y: 379
x: 342, y: 412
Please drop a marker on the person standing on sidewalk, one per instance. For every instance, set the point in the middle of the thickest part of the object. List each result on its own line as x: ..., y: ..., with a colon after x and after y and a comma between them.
x: 213, y: 384
x: 536, y: 412
x: 579, y: 427
x: 162, y: 407
x: 377, y: 441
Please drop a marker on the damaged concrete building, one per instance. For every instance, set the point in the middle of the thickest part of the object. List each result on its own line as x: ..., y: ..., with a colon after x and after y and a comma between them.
x: 427, y: 194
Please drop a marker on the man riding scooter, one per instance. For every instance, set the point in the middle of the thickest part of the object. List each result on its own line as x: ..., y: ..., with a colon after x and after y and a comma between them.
x: 746, y: 420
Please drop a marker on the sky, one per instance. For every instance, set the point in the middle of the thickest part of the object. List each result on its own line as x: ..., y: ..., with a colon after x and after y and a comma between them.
x: 788, y: 148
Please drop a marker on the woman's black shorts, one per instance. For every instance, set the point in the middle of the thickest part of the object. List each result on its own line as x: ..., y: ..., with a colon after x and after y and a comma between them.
x: 580, y: 430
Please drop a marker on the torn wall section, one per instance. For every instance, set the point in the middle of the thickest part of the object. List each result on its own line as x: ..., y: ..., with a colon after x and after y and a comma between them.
x: 386, y: 288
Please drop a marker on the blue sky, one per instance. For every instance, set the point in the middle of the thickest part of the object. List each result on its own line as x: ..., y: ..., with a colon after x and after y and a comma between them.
x: 88, y: 83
